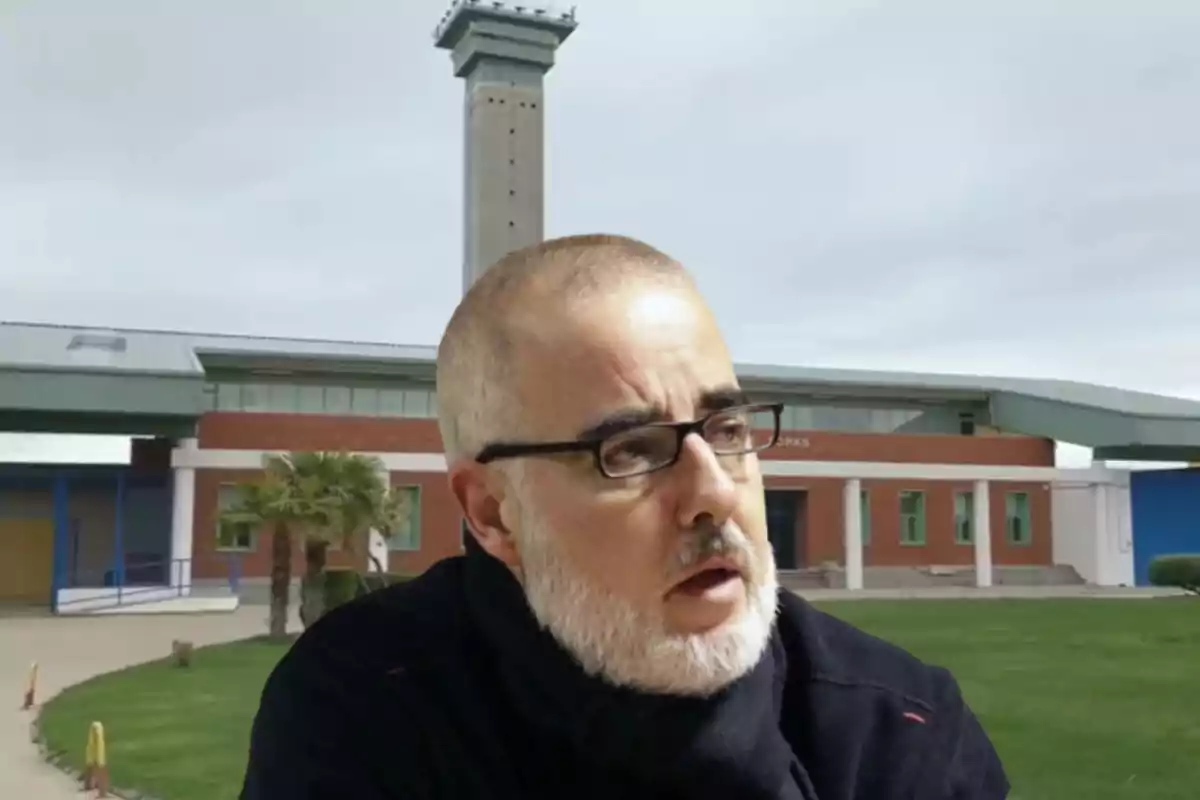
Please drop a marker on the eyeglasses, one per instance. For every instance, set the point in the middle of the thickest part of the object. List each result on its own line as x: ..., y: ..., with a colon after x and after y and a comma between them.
x: 734, y: 431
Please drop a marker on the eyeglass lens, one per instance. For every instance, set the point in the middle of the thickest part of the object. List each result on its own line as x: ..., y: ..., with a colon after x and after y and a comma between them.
x: 650, y: 447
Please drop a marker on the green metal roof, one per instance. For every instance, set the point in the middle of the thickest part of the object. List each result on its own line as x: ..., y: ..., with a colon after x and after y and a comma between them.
x: 1119, y: 423
x: 871, y: 383
x: 60, y: 369
x: 62, y: 348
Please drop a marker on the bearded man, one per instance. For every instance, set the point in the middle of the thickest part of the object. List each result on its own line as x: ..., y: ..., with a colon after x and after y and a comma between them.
x: 615, y: 629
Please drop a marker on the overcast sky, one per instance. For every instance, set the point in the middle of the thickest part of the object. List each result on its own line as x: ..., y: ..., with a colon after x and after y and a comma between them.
x: 999, y: 186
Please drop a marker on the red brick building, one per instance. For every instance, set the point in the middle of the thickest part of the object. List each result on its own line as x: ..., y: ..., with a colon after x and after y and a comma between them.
x: 873, y: 470
x: 816, y: 502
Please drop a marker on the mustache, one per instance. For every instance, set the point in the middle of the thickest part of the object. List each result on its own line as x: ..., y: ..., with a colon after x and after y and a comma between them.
x: 707, y: 539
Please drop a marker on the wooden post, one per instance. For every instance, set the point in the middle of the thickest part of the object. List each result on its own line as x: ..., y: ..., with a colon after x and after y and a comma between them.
x: 31, y: 688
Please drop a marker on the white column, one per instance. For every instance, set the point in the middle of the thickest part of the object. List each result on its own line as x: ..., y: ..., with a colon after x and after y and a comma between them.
x: 982, y: 529
x: 183, y: 515
x: 852, y: 514
x: 1124, y: 574
x: 1112, y: 539
x: 1104, y: 537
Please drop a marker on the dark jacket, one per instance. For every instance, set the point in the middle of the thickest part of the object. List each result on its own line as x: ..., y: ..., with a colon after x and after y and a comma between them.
x: 436, y: 689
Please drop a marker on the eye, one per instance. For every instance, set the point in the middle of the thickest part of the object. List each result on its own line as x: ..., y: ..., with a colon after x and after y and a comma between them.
x: 637, y: 450
x: 629, y: 452
x: 728, y: 430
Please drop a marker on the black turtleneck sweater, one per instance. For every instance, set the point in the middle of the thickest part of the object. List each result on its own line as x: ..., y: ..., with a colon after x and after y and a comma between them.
x: 446, y: 687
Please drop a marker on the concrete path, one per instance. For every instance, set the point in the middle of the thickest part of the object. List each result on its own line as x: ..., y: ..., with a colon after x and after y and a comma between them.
x: 71, y: 649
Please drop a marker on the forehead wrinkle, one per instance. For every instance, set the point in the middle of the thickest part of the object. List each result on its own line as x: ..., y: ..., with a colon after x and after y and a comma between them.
x: 577, y: 362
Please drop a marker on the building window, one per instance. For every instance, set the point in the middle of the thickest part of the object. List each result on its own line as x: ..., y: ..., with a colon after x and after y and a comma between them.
x: 964, y: 517
x: 845, y: 418
x: 831, y: 416
x: 391, y: 402
x: 1016, y: 518
x: 795, y: 418
x: 337, y: 400
x: 889, y: 420
x: 364, y: 401
x: 347, y: 400
x: 256, y: 397
x: 864, y: 511
x: 283, y: 398
x: 841, y: 418
x: 310, y: 399
x: 408, y: 535
x: 229, y: 397
x: 416, y: 403
x: 235, y: 537
x: 912, y: 518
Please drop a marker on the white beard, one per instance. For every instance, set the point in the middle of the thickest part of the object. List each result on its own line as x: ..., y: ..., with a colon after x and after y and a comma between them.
x: 630, y: 647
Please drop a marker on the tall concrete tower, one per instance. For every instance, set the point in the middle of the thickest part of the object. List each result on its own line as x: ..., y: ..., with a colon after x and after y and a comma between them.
x: 502, y: 51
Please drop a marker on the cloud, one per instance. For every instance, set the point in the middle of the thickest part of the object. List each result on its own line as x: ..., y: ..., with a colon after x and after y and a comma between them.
x: 987, y: 187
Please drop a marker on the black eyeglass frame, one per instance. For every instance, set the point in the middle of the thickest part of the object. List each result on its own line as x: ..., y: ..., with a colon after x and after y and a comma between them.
x: 504, y: 450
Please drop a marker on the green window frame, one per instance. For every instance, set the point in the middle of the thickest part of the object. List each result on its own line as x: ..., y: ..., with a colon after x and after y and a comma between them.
x: 232, y: 537
x: 408, y: 537
x: 864, y: 516
x: 1017, y: 526
x: 912, y: 518
x: 964, y: 518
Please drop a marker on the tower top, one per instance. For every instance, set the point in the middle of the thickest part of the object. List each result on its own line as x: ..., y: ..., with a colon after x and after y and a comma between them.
x: 463, y: 12
x: 515, y: 33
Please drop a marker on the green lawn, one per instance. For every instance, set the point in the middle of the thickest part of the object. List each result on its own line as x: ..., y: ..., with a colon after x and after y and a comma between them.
x: 1085, y: 699
x: 175, y: 734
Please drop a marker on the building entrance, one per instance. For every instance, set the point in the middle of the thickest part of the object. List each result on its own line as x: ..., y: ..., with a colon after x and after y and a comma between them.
x: 787, y: 516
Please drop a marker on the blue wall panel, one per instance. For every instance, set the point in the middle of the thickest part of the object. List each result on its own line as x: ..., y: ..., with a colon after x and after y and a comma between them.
x: 1166, y: 516
x: 140, y: 518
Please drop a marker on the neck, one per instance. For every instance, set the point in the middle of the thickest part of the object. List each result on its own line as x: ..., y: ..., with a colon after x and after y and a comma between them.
x: 720, y: 745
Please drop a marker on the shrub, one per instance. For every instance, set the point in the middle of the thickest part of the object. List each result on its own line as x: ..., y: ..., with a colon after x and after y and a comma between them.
x: 341, y: 586
x: 1177, y: 570
x: 181, y: 653
x: 374, y: 581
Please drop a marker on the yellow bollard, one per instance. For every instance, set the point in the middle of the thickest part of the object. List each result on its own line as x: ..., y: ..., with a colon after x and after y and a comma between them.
x: 95, y: 770
x: 31, y: 688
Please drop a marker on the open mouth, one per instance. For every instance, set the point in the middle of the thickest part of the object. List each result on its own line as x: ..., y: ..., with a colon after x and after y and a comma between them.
x: 707, y: 580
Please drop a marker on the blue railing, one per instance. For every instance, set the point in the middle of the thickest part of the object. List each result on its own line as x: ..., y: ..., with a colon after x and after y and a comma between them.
x: 147, y: 580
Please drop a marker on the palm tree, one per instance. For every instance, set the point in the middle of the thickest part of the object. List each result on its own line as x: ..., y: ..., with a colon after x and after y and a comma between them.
x: 319, y: 498
x: 357, y: 497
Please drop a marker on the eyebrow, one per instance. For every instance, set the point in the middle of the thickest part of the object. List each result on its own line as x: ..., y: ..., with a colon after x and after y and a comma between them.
x: 709, y: 401
x: 723, y: 397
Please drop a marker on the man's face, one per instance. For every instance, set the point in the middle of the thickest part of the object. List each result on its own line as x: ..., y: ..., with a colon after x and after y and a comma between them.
x: 664, y: 581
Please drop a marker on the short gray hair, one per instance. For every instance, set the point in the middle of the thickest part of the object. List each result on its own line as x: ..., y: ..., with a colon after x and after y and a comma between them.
x: 475, y: 360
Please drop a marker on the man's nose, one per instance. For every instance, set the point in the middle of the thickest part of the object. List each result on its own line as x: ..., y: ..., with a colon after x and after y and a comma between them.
x: 704, y: 485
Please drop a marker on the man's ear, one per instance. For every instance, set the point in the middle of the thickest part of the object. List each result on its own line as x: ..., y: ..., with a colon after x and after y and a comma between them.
x: 480, y: 494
